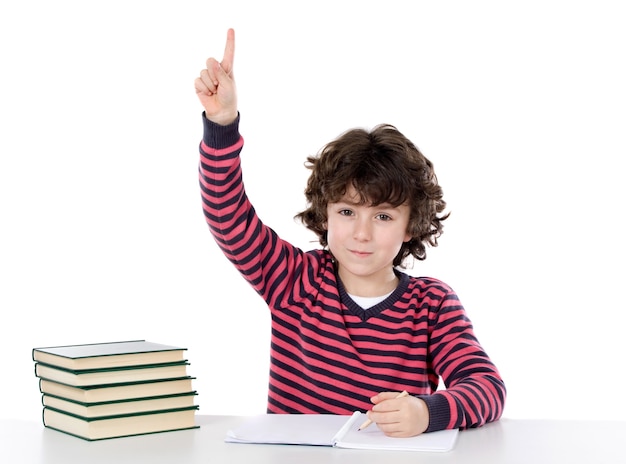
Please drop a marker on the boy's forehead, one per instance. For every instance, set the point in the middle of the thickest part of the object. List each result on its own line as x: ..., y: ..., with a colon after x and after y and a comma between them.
x: 353, y: 197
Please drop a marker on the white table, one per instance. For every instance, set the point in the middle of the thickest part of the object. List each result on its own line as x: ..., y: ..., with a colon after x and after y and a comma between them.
x: 507, y: 441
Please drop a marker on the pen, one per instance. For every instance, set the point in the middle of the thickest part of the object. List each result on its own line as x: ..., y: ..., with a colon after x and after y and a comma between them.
x: 368, y: 422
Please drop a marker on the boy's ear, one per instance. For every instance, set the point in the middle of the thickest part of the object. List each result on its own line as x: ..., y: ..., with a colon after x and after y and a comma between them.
x: 408, y: 237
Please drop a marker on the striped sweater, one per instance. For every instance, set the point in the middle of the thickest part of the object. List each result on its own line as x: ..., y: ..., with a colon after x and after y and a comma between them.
x: 328, y: 355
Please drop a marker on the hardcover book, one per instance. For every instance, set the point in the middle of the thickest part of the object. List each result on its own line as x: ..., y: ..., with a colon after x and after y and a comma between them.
x: 115, y: 408
x: 108, y: 355
x: 108, y: 390
x: 116, y: 392
x: 101, y: 428
x: 111, y: 375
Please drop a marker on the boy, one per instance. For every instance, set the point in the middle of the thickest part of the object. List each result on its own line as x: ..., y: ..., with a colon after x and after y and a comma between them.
x: 349, y: 328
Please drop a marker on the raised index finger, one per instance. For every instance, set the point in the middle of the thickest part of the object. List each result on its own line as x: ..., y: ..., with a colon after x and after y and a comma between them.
x: 229, y: 52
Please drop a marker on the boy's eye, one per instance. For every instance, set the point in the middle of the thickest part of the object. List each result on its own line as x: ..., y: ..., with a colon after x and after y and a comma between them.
x: 345, y: 212
x: 384, y: 217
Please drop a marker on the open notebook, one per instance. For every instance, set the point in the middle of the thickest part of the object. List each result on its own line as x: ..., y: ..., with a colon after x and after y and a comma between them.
x: 333, y: 430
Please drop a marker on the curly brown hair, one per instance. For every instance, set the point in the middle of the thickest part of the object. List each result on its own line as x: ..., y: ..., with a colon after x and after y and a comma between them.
x: 383, y: 166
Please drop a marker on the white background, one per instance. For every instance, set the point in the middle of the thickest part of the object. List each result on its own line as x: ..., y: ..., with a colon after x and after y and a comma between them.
x: 520, y: 105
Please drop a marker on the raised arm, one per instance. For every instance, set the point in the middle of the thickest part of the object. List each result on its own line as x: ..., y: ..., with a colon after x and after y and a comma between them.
x: 216, y: 88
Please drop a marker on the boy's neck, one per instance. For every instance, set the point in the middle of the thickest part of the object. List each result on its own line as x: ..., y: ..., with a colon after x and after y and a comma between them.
x: 369, y: 286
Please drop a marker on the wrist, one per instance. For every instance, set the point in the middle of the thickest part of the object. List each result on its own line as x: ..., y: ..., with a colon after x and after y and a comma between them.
x: 222, y: 119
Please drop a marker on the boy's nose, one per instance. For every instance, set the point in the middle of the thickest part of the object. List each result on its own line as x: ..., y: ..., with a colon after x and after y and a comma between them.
x: 362, y: 230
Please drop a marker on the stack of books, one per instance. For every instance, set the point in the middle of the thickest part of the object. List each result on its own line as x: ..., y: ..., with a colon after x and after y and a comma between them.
x: 118, y: 389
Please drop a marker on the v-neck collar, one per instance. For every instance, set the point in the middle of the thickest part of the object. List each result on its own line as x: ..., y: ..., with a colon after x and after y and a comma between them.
x: 375, y: 310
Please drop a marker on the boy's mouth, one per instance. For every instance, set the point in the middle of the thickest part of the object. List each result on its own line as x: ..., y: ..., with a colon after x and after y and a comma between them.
x: 362, y: 254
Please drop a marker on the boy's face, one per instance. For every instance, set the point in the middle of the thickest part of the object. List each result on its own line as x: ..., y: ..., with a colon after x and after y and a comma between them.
x: 364, y: 240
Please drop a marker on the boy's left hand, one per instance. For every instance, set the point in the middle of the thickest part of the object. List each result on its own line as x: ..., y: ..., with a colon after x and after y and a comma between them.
x: 399, y: 417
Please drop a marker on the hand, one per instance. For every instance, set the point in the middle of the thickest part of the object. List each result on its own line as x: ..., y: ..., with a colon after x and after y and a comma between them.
x: 216, y: 88
x: 399, y: 417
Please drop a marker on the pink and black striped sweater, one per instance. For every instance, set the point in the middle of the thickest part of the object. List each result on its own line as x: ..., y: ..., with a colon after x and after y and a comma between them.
x: 328, y: 355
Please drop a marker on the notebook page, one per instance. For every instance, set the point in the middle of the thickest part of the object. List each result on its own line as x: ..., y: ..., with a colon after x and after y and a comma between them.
x: 288, y: 429
x: 373, y: 438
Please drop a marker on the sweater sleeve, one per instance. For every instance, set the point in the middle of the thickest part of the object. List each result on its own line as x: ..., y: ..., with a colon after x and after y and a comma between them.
x: 474, y: 393
x: 252, y: 247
